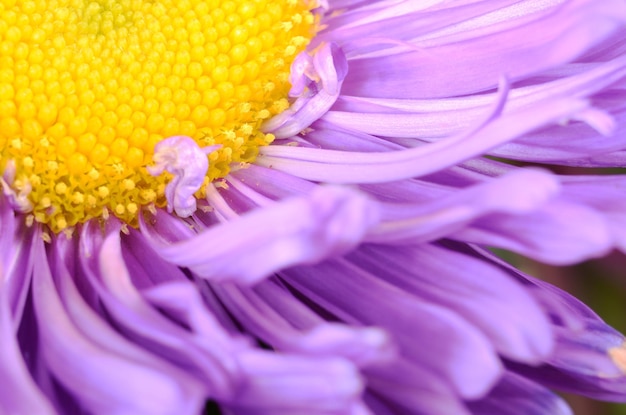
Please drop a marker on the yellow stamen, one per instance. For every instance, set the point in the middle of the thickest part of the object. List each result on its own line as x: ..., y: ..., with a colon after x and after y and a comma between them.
x: 89, y: 87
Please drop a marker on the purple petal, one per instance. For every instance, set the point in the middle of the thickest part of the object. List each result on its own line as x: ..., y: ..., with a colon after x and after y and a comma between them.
x: 587, y: 358
x: 93, y: 372
x: 361, y: 345
x: 546, y: 234
x: 605, y: 194
x: 471, y: 62
x: 348, y: 167
x: 515, y: 395
x: 329, y: 221
x: 19, y: 393
x: 476, y: 291
x: 329, y: 68
x: 405, y: 388
x: 449, y: 347
x: 428, y: 221
x: 236, y: 374
x: 294, y: 385
x: 213, y: 362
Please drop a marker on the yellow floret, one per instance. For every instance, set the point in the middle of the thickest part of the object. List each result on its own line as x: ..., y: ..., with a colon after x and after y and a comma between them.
x: 88, y: 87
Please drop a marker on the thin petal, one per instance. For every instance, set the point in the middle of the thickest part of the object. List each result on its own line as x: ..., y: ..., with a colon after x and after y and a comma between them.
x: 515, y: 395
x: 476, y: 291
x: 421, y: 222
x: 355, y: 295
x: 472, y: 62
x: 92, y: 373
x: 348, y: 167
x: 329, y: 221
x: 546, y: 234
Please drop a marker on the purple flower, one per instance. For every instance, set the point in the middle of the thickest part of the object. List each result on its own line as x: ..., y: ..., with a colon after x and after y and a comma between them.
x: 345, y: 270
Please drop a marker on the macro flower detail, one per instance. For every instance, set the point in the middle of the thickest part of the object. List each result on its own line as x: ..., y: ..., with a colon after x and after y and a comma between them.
x: 181, y: 156
x: 89, y: 88
x: 289, y: 207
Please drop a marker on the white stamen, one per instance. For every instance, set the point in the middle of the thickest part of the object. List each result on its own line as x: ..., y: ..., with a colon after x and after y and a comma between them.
x: 18, y: 199
x: 182, y: 157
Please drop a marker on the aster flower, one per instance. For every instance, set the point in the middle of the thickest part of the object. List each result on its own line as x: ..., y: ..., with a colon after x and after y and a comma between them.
x: 286, y: 208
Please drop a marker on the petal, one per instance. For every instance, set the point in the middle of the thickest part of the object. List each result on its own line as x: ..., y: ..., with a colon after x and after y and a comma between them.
x: 236, y: 374
x: 211, y: 362
x: 302, y: 383
x: 420, y: 222
x: 546, y: 234
x: 19, y: 394
x: 449, y: 347
x: 305, y: 386
x: 350, y: 167
x: 330, y: 68
x: 90, y: 371
x: 605, y: 194
x: 515, y: 395
x: 329, y: 221
x: 254, y: 309
x: 476, y: 291
x: 471, y: 61
x: 587, y: 358
x: 405, y: 388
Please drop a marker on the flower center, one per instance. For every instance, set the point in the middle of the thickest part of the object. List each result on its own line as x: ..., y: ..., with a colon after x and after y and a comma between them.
x: 89, y: 87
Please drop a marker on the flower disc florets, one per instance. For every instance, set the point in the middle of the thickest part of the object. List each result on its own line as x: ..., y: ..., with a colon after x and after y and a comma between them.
x: 88, y: 88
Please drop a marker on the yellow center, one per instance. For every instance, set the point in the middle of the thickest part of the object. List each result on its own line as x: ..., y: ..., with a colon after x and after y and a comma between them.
x: 89, y: 87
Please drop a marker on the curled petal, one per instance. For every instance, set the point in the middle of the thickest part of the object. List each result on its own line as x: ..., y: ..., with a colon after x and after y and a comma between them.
x: 182, y: 157
x: 326, y: 71
x: 328, y: 222
x: 354, y: 167
x: 597, y: 119
x: 274, y: 384
x: 236, y: 374
x: 428, y: 221
x: 212, y: 362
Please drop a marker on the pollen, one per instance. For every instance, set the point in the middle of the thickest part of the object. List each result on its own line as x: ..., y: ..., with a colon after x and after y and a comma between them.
x: 618, y: 355
x: 89, y: 87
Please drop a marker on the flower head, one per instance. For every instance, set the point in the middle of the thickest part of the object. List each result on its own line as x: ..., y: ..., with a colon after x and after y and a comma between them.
x: 285, y: 207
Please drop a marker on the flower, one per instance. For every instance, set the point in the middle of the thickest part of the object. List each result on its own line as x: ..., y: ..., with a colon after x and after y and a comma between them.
x: 342, y: 269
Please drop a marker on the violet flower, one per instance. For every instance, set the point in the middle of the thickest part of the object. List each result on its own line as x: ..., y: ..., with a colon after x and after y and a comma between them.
x: 344, y: 269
